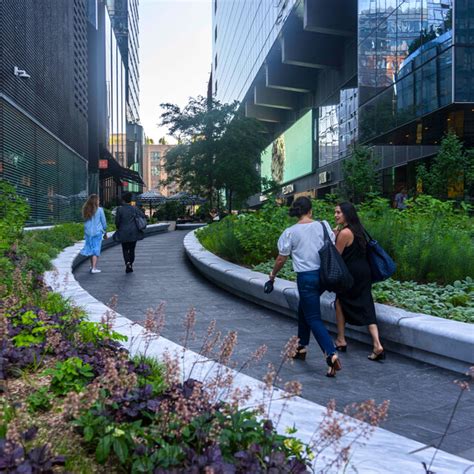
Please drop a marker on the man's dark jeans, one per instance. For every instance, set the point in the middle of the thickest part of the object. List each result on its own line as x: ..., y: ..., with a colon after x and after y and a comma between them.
x: 309, y: 312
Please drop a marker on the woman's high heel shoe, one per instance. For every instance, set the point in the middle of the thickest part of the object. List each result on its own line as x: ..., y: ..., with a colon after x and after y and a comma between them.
x: 342, y: 348
x: 334, y: 365
x: 377, y: 356
x: 300, y: 353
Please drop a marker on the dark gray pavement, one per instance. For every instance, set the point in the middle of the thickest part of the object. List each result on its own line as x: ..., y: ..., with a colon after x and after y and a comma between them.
x: 421, y: 396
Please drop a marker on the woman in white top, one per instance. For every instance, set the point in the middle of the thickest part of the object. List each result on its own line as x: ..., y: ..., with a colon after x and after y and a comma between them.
x: 303, y: 241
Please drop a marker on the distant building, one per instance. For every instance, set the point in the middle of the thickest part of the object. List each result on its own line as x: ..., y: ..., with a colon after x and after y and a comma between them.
x: 322, y: 76
x: 44, y: 105
x: 155, y: 172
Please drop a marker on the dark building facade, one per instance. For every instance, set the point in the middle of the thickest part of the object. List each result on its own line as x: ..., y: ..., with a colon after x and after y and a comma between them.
x: 44, y: 105
x: 110, y: 173
x: 395, y: 75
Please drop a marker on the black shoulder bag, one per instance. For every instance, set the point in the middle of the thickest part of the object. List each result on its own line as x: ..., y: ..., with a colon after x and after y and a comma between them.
x: 140, y: 220
x: 334, y: 274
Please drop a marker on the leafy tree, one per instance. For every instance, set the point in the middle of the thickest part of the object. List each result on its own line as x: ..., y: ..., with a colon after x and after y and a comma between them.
x: 451, y: 166
x: 360, y: 175
x: 162, y: 141
x: 238, y: 158
x: 217, y: 149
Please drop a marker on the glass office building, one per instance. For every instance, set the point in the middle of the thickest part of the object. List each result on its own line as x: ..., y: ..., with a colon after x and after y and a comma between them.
x: 110, y: 171
x: 395, y: 75
x: 125, y: 23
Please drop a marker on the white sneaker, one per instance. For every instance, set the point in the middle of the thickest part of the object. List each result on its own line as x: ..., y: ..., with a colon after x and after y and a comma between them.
x: 95, y: 270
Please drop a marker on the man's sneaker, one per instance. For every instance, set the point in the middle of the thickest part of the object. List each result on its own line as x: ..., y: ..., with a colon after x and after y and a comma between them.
x: 128, y: 268
x: 95, y: 270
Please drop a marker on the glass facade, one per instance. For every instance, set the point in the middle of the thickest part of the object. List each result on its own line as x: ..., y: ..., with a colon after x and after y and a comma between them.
x: 336, y: 127
x: 405, y: 59
x: 116, y: 101
x: 244, y: 32
x: 464, y: 51
x: 125, y: 22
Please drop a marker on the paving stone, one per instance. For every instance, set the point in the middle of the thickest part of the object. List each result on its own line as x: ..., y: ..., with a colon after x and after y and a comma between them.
x: 421, y: 395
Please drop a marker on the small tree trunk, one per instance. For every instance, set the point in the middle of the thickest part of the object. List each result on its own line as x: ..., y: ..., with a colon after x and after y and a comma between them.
x: 230, y: 201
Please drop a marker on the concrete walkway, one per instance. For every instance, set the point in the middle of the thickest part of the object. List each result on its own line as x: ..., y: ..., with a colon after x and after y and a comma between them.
x: 421, y: 396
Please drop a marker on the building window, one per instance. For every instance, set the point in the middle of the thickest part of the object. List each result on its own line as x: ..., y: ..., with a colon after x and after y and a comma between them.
x: 215, y: 6
x: 215, y: 33
x: 215, y: 62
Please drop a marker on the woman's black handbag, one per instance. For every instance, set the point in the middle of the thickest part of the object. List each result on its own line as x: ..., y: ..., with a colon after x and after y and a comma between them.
x: 381, y: 264
x: 334, y: 274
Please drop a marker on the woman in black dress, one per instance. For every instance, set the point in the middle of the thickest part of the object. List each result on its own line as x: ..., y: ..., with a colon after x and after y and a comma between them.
x: 355, y: 306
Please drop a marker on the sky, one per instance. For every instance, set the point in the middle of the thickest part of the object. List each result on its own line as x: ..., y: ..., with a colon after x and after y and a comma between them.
x: 175, y: 56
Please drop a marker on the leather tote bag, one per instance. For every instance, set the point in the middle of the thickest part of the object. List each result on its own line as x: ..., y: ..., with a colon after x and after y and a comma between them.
x: 140, y: 220
x: 381, y: 264
x: 334, y: 274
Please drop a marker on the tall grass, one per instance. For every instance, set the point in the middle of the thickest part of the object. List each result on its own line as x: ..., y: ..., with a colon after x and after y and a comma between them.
x: 424, y: 250
x: 431, y: 241
x: 220, y: 238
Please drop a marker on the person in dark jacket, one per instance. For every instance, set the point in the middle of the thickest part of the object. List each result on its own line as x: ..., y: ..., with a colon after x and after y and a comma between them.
x: 127, y: 231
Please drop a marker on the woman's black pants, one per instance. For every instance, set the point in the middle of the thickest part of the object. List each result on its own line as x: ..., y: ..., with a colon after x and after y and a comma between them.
x: 128, y: 249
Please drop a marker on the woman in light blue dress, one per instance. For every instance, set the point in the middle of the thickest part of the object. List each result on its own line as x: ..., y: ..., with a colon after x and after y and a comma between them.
x: 95, y: 228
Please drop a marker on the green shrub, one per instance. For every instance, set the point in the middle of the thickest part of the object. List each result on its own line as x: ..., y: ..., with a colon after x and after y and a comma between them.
x: 13, y: 214
x: 40, y: 400
x: 220, y: 238
x: 454, y: 301
x: 71, y: 375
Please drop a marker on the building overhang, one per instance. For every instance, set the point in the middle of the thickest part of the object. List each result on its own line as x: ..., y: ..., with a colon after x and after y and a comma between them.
x: 118, y: 172
x: 311, y: 42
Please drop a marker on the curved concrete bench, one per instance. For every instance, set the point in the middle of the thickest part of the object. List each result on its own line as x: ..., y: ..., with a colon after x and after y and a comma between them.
x: 190, y: 226
x: 441, y: 342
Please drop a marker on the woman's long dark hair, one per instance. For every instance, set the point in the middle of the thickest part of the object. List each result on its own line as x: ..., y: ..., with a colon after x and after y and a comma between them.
x: 353, y: 222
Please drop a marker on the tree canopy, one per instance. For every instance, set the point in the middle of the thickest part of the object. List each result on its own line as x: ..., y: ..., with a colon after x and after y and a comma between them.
x: 218, y: 150
x: 360, y: 175
x: 451, y: 169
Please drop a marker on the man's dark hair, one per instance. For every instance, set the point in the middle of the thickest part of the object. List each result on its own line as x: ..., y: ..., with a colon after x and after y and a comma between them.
x: 127, y: 197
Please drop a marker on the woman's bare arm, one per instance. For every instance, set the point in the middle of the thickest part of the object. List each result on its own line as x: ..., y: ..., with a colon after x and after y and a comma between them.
x: 344, y: 239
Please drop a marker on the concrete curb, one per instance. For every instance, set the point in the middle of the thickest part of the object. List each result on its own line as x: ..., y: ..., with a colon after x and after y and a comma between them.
x: 192, y: 226
x: 441, y: 342
x: 110, y: 242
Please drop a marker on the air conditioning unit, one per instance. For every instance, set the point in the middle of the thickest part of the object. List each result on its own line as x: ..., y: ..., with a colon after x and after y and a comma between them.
x: 325, y: 177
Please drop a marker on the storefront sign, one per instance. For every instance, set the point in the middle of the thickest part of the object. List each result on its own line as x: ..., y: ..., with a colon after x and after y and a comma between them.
x: 288, y: 189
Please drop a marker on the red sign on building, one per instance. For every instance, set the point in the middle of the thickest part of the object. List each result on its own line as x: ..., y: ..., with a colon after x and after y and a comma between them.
x: 103, y: 164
